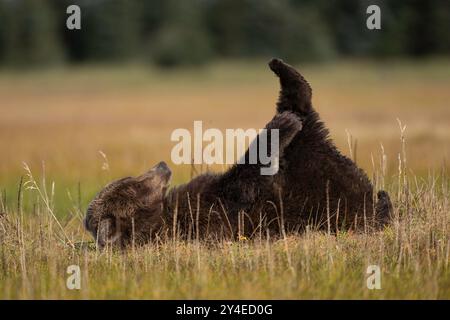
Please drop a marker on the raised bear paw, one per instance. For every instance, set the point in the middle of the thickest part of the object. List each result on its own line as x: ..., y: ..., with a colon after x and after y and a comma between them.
x: 286, y: 122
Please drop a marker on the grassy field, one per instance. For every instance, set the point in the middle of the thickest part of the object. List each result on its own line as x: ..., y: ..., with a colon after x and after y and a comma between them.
x: 79, y: 128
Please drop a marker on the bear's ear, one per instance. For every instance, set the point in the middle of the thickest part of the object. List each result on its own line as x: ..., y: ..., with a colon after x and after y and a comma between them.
x: 295, y: 93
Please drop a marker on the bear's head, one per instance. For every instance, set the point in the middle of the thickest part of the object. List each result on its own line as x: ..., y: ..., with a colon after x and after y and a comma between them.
x: 129, y: 209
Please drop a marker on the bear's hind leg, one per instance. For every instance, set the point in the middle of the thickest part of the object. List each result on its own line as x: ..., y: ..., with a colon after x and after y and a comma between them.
x: 296, y: 93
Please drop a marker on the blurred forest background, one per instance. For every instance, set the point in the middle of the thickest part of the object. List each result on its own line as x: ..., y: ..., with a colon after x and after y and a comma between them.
x: 192, y: 32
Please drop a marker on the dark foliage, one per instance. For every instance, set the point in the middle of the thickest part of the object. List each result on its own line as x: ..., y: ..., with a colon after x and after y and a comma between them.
x: 172, y: 33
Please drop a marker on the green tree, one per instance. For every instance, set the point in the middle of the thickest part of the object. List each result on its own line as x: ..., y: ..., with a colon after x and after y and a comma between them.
x: 182, y: 39
x: 29, y: 35
x: 110, y: 30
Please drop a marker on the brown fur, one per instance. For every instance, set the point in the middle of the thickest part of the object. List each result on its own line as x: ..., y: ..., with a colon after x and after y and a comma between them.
x: 315, y: 185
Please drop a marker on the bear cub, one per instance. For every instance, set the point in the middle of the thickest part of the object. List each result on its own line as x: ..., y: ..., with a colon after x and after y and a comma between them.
x: 315, y: 186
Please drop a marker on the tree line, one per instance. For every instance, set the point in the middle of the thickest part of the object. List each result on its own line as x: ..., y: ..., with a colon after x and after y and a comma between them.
x: 190, y: 32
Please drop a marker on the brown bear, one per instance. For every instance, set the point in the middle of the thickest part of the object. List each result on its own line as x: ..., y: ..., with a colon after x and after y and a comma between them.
x: 315, y: 186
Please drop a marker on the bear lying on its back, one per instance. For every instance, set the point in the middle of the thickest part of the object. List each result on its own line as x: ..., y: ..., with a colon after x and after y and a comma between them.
x: 315, y: 185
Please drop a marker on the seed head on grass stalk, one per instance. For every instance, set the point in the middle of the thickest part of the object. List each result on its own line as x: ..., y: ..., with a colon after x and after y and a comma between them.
x: 31, y: 184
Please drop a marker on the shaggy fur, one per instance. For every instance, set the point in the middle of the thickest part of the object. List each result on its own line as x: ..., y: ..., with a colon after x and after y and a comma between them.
x: 315, y: 186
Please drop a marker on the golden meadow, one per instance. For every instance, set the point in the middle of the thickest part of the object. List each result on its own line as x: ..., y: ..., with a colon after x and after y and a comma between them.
x: 78, y: 128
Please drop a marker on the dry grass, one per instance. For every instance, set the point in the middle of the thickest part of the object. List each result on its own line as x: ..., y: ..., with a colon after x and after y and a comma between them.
x: 65, y: 117
x: 413, y: 254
